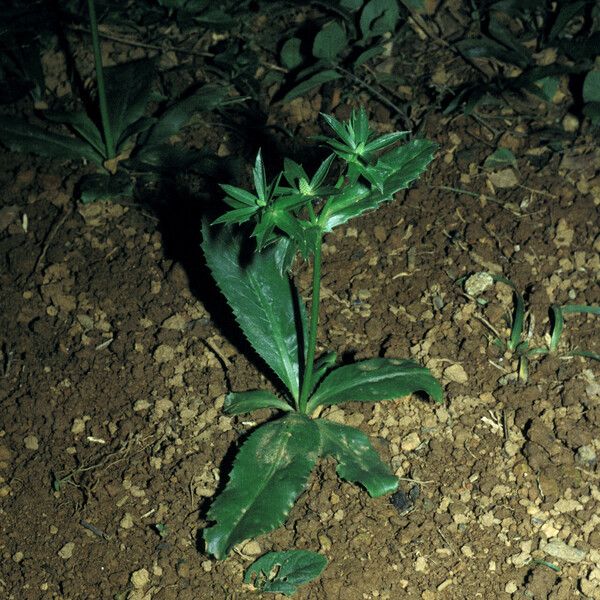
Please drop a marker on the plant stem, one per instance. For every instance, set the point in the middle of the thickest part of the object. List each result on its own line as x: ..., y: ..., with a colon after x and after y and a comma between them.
x: 314, y: 323
x: 108, y: 136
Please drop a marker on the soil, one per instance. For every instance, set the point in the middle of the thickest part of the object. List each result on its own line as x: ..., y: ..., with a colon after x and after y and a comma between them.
x: 117, y: 353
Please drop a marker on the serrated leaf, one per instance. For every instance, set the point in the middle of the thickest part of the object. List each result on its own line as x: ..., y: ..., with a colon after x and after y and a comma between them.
x: 350, y: 203
x: 270, y: 471
x: 291, y: 56
x: 374, y: 380
x: 283, y: 572
x: 322, y: 366
x: 330, y: 41
x: 237, y: 403
x: 358, y: 462
x: 128, y: 92
x: 312, y: 82
x: 265, y: 304
x: 21, y: 136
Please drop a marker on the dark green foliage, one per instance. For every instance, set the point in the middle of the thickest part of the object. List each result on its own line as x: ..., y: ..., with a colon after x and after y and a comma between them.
x: 283, y: 572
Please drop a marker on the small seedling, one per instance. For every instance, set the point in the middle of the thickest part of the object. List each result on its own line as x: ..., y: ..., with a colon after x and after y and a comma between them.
x: 252, y: 269
x: 283, y: 572
x: 518, y: 343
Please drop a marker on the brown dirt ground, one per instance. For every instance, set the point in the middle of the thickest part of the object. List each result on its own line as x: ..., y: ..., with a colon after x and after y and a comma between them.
x: 117, y: 354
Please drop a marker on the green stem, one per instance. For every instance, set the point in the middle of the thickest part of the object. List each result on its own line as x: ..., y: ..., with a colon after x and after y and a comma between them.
x: 314, y: 323
x: 108, y: 135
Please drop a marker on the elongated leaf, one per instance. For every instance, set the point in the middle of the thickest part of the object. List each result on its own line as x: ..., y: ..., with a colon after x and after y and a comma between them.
x: 312, y: 82
x: 374, y: 380
x: 83, y: 125
x: 270, y: 471
x: 102, y: 186
x: 283, y: 572
x: 324, y: 364
x: 378, y: 17
x: 177, y: 116
x: 21, y: 136
x: 237, y: 403
x: 358, y: 462
x: 265, y: 304
x: 128, y: 91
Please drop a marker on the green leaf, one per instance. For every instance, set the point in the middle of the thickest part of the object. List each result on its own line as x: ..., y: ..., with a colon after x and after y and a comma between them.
x: 500, y: 158
x: 83, y: 125
x: 260, y: 179
x: 244, y: 402
x: 358, y: 462
x: 128, y: 92
x: 270, y: 471
x: 291, y: 56
x: 592, y: 111
x: 322, y: 366
x: 367, y: 55
x: 567, y: 12
x: 591, y: 87
x: 283, y: 572
x: 22, y: 136
x: 330, y: 41
x: 312, y: 82
x: 580, y: 308
x: 375, y: 380
x: 207, y: 98
x: 239, y: 194
x: 556, y: 326
x: 102, y: 186
x: 487, y: 48
x: 378, y: 17
x: 351, y: 202
x: 265, y: 304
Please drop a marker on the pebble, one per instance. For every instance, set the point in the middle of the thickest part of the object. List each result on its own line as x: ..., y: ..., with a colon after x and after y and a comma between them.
x: 586, y: 456
x: 478, y: 283
x: 176, y: 322
x: 67, y: 550
x: 126, y: 522
x: 251, y: 548
x: 562, y: 551
x: 141, y: 405
x: 504, y: 179
x: 411, y: 442
x: 31, y: 442
x: 164, y: 354
x: 140, y: 579
x: 183, y: 569
x: 207, y: 566
x: 511, y: 587
x: 456, y: 373
x: 421, y: 565
x: 18, y: 557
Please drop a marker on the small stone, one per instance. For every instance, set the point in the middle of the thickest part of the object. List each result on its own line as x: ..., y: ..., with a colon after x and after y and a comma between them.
x: 421, y: 565
x: 140, y: 579
x: 511, y: 448
x: 511, y: 587
x: 78, y: 426
x: 478, y: 283
x: 411, y: 442
x: 207, y: 566
x: 586, y: 456
x: 67, y: 550
x: 126, y: 522
x: 164, y: 354
x: 564, y: 234
x: 251, y: 548
x: 467, y: 551
x: 325, y: 542
x: 176, y: 322
x: 183, y: 569
x: 18, y: 557
x: 504, y: 179
x: 141, y: 405
x: 456, y: 373
x: 560, y: 550
x: 31, y: 442
x: 570, y: 123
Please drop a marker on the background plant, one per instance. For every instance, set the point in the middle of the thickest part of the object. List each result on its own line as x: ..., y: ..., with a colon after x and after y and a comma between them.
x: 115, y: 133
x: 281, y: 218
x: 283, y: 572
x: 529, y: 46
x: 518, y: 342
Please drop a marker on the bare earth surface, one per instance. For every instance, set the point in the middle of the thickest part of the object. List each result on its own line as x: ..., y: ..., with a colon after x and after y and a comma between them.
x: 117, y: 352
